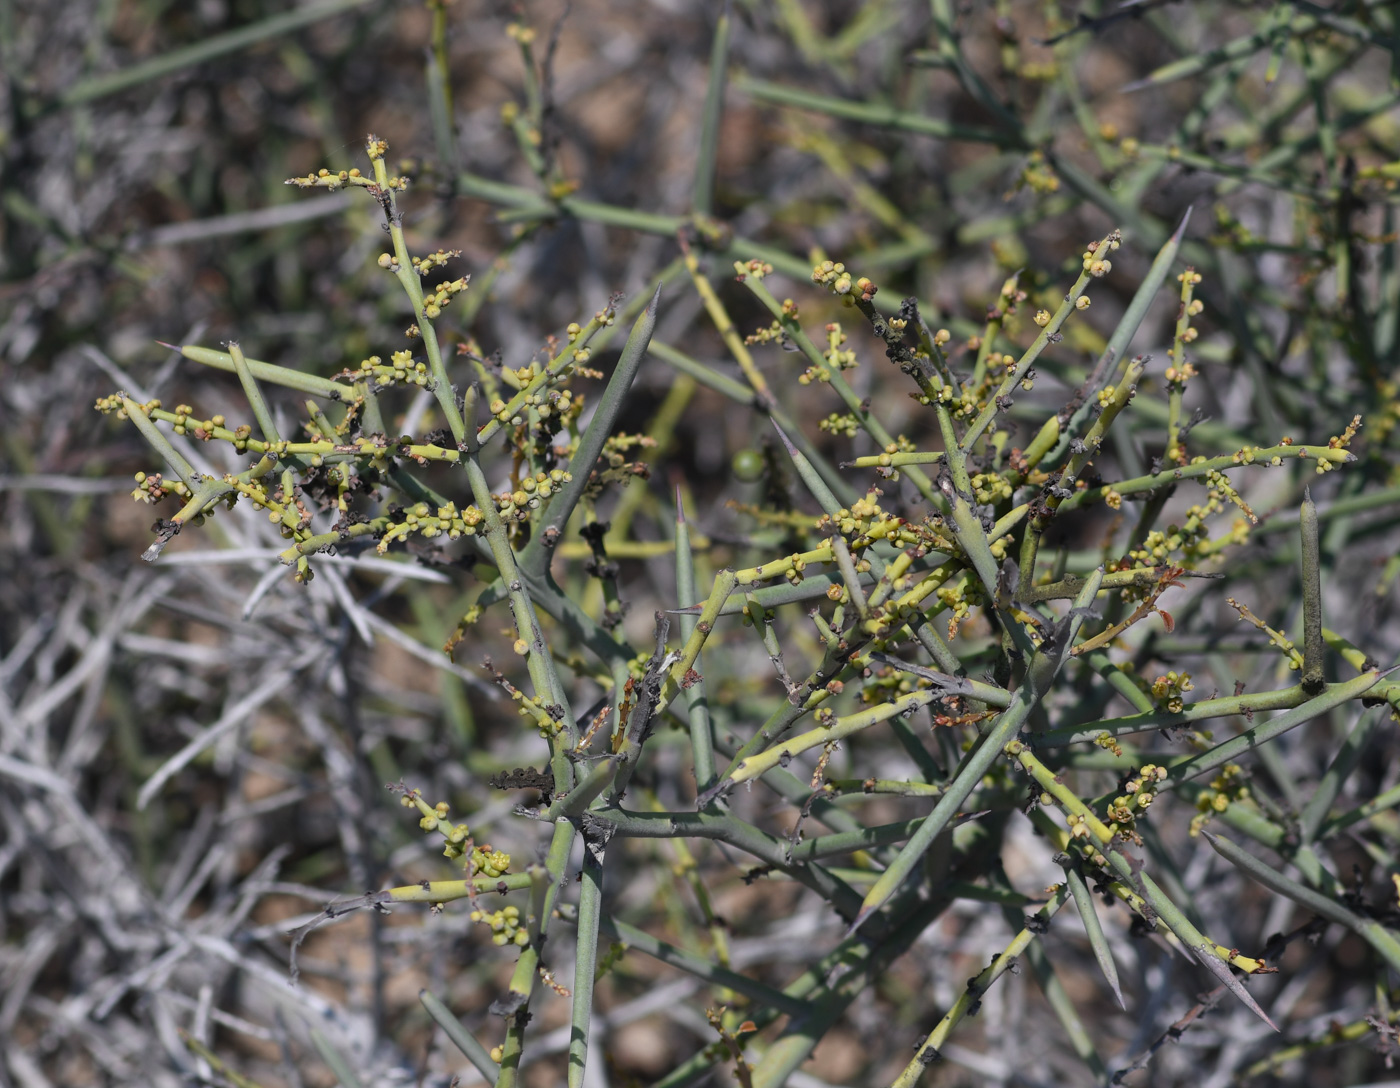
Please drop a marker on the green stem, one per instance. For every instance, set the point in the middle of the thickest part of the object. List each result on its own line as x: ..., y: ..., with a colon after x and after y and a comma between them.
x: 590, y: 903
x: 554, y: 517
x: 461, y: 1038
x: 1039, y: 676
x: 971, y: 996
x: 1313, y: 646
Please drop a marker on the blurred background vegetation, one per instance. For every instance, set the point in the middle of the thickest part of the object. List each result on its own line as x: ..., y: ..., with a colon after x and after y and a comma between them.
x: 937, y: 148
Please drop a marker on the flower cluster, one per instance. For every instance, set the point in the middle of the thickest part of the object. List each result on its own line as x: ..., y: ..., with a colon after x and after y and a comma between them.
x: 1096, y: 261
x: 422, y: 519
x: 151, y: 487
x: 859, y: 519
x: 833, y: 275
x: 506, y: 925
x: 1037, y: 176
x: 1138, y: 794
x: 1226, y: 788
x: 484, y: 860
x: 1169, y: 688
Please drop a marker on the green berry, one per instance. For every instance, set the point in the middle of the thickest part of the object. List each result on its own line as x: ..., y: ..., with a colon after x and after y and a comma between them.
x: 748, y: 466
